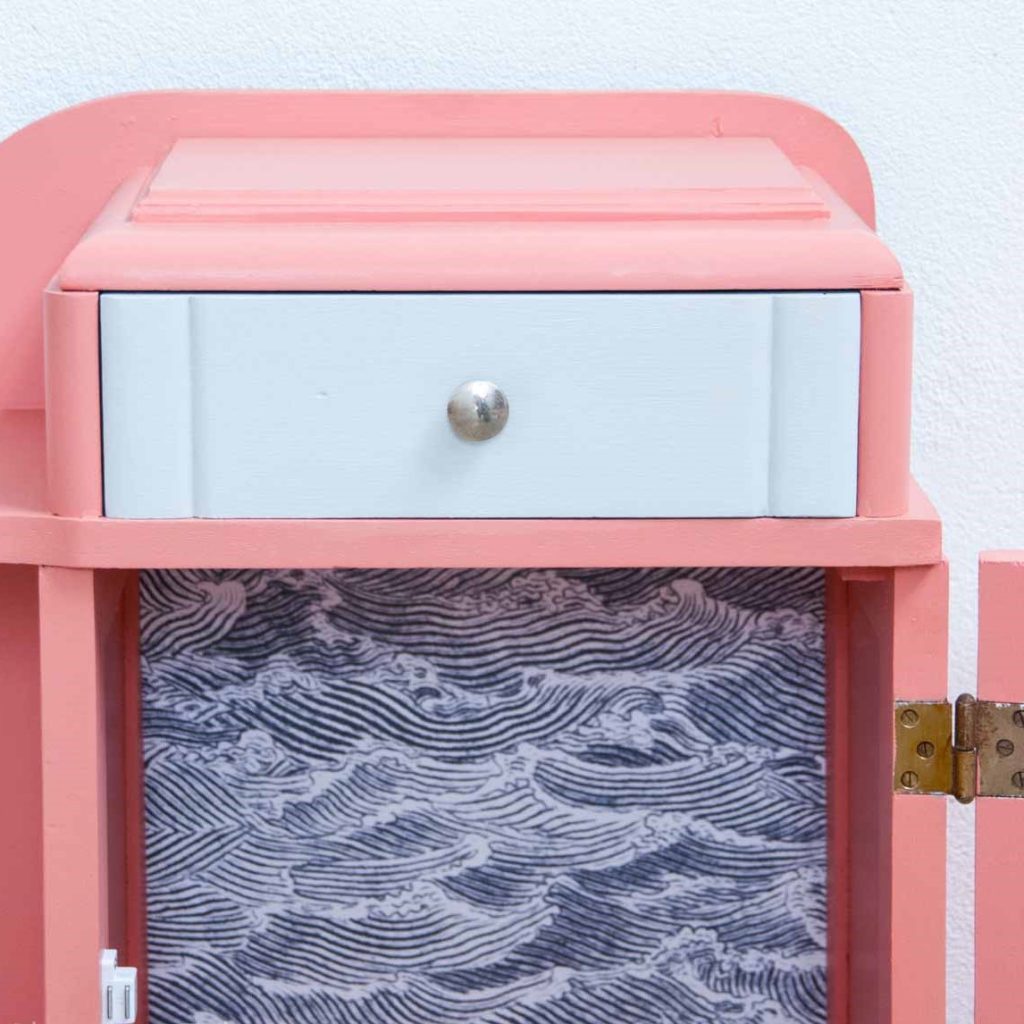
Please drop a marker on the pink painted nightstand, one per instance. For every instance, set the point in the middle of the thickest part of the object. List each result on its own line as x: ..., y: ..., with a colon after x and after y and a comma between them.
x: 460, y: 563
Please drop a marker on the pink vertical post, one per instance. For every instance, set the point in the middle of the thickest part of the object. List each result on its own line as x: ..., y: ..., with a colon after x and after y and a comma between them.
x: 838, y: 761
x: 883, y: 459
x: 73, y: 443
x: 897, y: 622
x: 919, y: 669
x: 868, y: 795
x: 125, y: 640
x: 21, y: 875
x: 74, y: 790
x: 999, y: 902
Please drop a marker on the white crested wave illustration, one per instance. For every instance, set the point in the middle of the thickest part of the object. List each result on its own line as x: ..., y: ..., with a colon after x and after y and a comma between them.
x: 485, y: 797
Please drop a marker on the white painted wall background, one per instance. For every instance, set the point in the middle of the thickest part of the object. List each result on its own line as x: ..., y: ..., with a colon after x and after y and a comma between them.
x: 931, y: 89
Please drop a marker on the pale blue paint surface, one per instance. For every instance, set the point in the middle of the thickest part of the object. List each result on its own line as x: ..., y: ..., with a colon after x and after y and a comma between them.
x: 145, y: 379
x: 815, y: 395
x: 624, y: 404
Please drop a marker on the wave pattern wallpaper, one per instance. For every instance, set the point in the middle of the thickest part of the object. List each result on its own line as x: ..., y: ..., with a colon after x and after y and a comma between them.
x: 485, y: 797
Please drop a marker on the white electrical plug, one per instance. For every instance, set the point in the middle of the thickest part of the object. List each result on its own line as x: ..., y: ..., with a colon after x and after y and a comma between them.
x: 118, y: 990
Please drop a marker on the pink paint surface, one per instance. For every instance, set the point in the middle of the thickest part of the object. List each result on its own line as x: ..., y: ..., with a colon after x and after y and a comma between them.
x: 21, y: 868
x: 64, y: 168
x: 334, y: 180
x: 999, y: 852
x: 883, y: 442
x: 798, y: 213
x: 565, y: 213
x: 73, y: 455
x: 897, y: 623
x: 919, y: 659
x: 887, y: 614
x: 76, y: 898
x: 838, y: 764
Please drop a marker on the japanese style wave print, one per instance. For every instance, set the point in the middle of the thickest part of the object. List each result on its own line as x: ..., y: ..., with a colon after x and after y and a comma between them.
x: 485, y: 797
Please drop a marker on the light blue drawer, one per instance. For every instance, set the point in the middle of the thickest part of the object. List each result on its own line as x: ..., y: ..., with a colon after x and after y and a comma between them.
x: 621, y: 404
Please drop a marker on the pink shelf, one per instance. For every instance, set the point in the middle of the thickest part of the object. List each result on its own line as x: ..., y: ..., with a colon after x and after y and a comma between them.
x: 30, y: 535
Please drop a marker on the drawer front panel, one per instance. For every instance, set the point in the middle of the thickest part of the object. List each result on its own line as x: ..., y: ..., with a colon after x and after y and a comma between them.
x: 620, y: 405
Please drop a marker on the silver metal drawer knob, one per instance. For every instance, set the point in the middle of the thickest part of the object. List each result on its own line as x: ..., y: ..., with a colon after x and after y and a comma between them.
x: 477, y: 410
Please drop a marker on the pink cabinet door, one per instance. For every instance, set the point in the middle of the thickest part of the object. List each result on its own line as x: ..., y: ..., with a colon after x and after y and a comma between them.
x: 999, y: 857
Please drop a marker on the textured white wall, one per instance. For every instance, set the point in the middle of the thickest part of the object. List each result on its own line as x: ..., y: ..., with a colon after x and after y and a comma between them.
x: 931, y: 89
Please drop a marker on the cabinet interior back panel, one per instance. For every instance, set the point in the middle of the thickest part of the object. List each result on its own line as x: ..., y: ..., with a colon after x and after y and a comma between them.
x: 621, y: 405
x: 485, y: 797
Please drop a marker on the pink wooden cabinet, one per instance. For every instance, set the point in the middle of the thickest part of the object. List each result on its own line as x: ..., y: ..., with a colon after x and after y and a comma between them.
x: 460, y: 564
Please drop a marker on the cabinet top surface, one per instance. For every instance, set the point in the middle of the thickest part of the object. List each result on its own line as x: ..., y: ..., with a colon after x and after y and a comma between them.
x: 90, y: 164
x: 501, y: 213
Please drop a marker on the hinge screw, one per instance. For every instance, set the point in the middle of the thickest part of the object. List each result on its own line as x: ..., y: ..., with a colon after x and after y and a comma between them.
x: 925, y: 749
x: 1018, y: 779
x: 909, y: 779
x: 910, y: 717
x: 1018, y: 718
x: 1004, y: 748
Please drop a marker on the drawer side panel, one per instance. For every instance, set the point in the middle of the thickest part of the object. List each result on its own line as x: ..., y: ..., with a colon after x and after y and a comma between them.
x: 146, y: 380
x: 815, y: 365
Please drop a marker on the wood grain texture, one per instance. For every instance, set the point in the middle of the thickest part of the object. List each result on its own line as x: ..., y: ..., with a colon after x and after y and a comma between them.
x: 309, y: 406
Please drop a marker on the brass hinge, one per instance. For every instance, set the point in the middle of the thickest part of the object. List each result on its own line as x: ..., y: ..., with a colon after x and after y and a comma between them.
x: 975, y: 750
